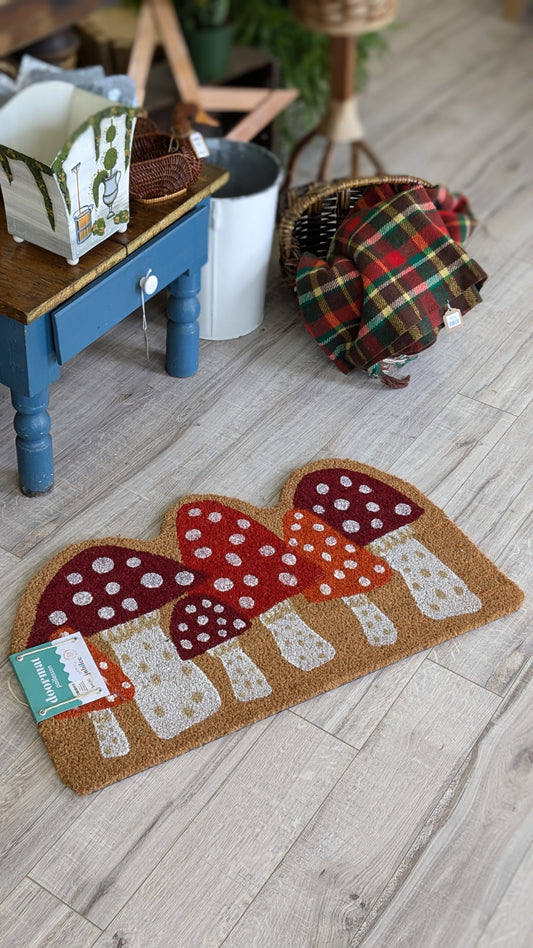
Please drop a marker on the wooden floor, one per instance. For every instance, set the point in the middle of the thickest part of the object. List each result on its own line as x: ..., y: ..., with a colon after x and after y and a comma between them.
x: 396, y: 811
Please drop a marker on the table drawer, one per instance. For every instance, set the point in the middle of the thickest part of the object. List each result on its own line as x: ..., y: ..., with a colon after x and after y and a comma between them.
x: 116, y: 293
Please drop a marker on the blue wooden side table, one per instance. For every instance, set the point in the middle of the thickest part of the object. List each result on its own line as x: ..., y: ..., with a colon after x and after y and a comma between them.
x: 50, y: 311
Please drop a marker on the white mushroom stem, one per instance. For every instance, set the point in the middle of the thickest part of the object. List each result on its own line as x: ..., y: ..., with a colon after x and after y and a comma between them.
x: 298, y: 644
x: 378, y: 628
x: 246, y: 680
x: 170, y: 693
x: 436, y: 589
x: 111, y: 738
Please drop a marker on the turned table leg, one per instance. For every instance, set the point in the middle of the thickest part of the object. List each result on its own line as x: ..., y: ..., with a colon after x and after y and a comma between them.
x: 33, y: 443
x: 183, y: 331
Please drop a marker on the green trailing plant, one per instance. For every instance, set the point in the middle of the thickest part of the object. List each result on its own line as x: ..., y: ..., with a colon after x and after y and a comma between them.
x: 303, y: 55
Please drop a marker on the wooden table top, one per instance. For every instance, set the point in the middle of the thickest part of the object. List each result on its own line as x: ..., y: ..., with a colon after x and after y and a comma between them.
x: 24, y: 23
x: 34, y: 281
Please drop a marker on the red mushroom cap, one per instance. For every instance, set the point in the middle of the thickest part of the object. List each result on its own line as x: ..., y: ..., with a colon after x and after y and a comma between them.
x: 199, y: 623
x: 107, y: 585
x: 360, y: 507
x: 249, y: 567
x: 349, y: 569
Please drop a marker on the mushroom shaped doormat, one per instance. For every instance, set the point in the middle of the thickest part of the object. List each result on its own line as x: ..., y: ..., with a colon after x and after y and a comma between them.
x: 235, y: 612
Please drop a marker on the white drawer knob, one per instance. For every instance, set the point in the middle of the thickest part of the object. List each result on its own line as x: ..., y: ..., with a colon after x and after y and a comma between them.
x: 149, y: 283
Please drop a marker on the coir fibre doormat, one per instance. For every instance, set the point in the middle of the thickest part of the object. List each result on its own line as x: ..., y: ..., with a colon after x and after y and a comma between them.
x: 235, y: 612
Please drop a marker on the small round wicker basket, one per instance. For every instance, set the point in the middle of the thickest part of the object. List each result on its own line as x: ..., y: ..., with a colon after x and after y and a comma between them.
x: 344, y: 17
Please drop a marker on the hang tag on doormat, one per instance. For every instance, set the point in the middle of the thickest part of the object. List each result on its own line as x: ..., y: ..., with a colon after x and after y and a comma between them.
x: 199, y: 144
x: 453, y: 319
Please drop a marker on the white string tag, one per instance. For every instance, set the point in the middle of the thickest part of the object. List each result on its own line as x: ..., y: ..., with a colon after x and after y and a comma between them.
x: 145, y: 327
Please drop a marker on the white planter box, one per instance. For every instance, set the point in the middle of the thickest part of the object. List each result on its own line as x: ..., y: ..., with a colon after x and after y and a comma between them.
x: 64, y: 167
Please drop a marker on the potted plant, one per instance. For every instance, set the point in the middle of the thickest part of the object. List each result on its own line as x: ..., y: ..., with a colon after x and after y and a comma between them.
x: 208, y: 30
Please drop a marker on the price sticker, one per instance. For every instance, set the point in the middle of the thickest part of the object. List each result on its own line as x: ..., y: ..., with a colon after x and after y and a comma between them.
x: 453, y: 318
x: 199, y: 145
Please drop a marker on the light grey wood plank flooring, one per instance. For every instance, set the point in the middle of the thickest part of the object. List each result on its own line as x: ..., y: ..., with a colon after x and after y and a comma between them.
x: 394, y: 811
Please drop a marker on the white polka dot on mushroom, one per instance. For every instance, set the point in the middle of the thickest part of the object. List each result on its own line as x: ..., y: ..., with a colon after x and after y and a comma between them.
x: 215, y: 516
x: 203, y: 552
x: 345, y: 481
x: 82, y: 598
x: 58, y: 617
x: 112, y: 589
x: 322, y: 489
x: 223, y: 584
x: 237, y: 539
x: 74, y: 578
x: 233, y: 559
x: 246, y: 602
x: 151, y: 580
x: 288, y: 579
x: 289, y: 559
x: 103, y: 564
x: 184, y: 578
x: 341, y: 504
x: 193, y: 534
x: 403, y: 510
x: 250, y: 580
x: 133, y: 561
x: 106, y: 612
x: 267, y: 550
x: 130, y: 604
x: 351, y: 526
x: 376, y: 523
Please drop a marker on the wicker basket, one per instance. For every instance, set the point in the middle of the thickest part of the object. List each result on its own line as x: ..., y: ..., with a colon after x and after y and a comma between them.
x: 344, y: 17
x: 159, y: 171
x: 309, y: 216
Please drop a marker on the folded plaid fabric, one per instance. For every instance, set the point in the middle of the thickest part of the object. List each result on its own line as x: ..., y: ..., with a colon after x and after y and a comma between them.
x: 394, y: 266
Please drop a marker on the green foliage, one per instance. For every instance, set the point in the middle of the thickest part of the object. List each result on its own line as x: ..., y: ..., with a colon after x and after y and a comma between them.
x: 99, y: 177
x: 99, y: 227
x: 111, y: 133
x: 303, y: 54
x: 110, y: 158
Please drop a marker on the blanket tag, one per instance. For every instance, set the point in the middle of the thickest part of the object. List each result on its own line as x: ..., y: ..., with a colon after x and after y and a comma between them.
x: 58, y: 676
x: 199, y: 144
x: 452, y: 318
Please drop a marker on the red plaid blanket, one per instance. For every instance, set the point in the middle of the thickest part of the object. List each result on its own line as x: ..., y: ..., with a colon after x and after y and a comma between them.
x: 394, y: 267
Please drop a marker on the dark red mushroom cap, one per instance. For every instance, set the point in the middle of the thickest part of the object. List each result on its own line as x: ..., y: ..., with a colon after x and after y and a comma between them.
x: 107, y: 585
x: 355, y: 504
x: 249, y: 567
x: 199, y: 623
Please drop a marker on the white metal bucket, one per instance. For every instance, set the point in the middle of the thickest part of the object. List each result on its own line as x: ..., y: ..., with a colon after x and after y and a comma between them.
x: 241, y: 230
